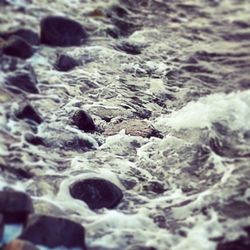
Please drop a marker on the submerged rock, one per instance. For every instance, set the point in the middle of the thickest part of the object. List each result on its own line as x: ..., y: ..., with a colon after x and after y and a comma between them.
x: 54, y: 232
x: 129, y: 48
x: 20, y: 245
x: 15, y: 206
x: 34, y: 139
x: 28, y: 35
x: 28, y: 112
x: 24, y: 81
x: 62, y: 31
x: 83, y: 121
x: 66, y: 63
x: 97, y: 193
x: 18, y: 47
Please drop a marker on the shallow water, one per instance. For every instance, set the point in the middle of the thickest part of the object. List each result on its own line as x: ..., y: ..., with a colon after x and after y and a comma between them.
x: 188, y: 187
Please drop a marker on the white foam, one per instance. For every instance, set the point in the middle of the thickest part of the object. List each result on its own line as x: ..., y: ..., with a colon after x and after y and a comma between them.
x: 233, y: 108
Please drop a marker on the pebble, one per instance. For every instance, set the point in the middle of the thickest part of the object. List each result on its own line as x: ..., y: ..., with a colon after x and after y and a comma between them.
x: 61, y: 31
x: 83, y: 121
x: 15, y: 206
x: 97, y: 193
x: 28, y: 112
x: 66, y: 63
x: 24, y: 81
x: 52, y: 232
x: 28, y: 35
x: 18, y: 47
x: 20, y: 245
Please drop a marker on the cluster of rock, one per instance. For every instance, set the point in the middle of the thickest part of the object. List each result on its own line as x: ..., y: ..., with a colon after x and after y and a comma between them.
x: 44, y: 230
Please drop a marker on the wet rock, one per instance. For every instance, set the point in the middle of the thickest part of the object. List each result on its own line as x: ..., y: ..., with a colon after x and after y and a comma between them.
x: 125, y: 28
x: 28, y: 35
x: 243, y: 243
x: 18, y: 47
x: 129, y: 48
x: 139, y: 247
x: 132, y: 127
x: 66, y: 63
x: 20, y: 245
x: 15, y: 206
x: 97, y: 193
x: 28, y: 112
x: 54, y: 232
x: 1, y: 226
x: 33, y: 139
x: 62, y: 31
x: 24, y: 81
x: 83, y: 121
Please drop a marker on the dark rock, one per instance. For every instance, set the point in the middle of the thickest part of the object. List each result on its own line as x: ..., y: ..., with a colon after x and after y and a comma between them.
x: 15, y: 206
x: 125, y: 27
x: 116, y: 10
x: 26, y: 34
x: 1, y: 227
x: 24, y: 81
x: 18, y: 47
x: 54, y: 232
x: 97, y: 193
x: 129, y: 48
x: 66, y: 63
x: 83, y: 121
x: 28, y: 112
x: 20, y: 245
x: 33, y: 139
x: 62, y: 31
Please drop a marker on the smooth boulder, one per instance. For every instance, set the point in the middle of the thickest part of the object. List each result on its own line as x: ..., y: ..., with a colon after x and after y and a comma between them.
x: 53, y: 232
x: 28, y: 35
x: 18, y: 47
x: 65, y: 63
x: 83, y: 121
x: 61, y: 31
x: 15, y: 206
x: 28, y: 112
x: 23, y: 81
x: 97, y: 193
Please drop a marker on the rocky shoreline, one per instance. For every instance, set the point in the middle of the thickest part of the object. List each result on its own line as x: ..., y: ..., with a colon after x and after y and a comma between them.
x: 124, y: 125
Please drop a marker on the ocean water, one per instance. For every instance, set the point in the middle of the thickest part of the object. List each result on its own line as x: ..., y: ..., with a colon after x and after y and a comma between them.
x: 186, y: 189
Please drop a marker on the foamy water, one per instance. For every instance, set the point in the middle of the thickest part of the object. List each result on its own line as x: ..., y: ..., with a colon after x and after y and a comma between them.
x: 190, y: 82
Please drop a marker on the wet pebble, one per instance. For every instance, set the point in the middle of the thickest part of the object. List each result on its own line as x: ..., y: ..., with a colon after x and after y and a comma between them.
x: 15, y: 206
x: 52, y: 232
x: 24, y: 81
x: 28, y: 35
x: 61, y: 31
x: 28, y: 112
x: 18, y: 47
x: 66, y: 63
x: 83, y: 121
x: 97, y: 193
x: 20, y: 245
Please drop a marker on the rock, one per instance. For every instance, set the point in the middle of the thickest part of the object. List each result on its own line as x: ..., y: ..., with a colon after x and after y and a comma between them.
x: 1, y: 227
x: 133, y: 127
x: 28, y: 35
x: 62, y: 31
x: 66, y: 63
x: 33, y: 139
x: 18, y: 47
x: 129, y: 48
x: 28, y: 112
x: 20, y: 245
x: 54, y: 232
x: 139, y: 247
x: 83, y: 121
x: 15, y: 206
x: 97, y: 193
x: 23, y: 81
